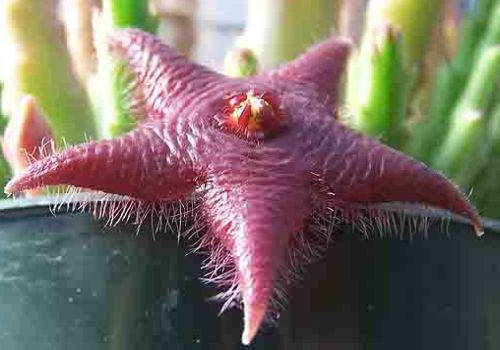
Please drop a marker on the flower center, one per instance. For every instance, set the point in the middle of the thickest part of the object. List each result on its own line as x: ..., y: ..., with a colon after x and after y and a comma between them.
x: 252, y: 115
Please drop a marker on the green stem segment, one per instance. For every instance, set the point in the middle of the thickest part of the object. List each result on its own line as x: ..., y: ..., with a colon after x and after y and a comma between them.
x: 470, y: 116
x: 486, y: 187
x: 279, y: 30
x: 492, y: 32
x: 241, y: 63
x: 493, y: 131
x: 377, y: 86
x: 4, y: 174
x: 112, y: 75
x: 415, y: 19
x: 129, y: 13
x: 451, y: 80
x: 381, y: 76
x: 4, y: 167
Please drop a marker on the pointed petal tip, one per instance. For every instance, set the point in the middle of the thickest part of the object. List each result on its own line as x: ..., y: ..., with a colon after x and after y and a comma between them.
x: 344, y: 43
x: 254, y: 315
x: 475, y: 220
x: 16, y: 185
x: 321, y: 66
x: 341, y: 45
x: 10, y: 188
x: 28, y: 180
x: 478, y: 227
x: 8, y: 191
x: 332, y: 52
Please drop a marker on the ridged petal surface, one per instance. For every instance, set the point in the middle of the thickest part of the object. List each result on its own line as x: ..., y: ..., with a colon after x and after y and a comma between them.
x: 256, y: 195
x: 143, y: 164
x: 363, y: 171
x: 165, y: 80
x: 320, y: 67
x: 255, y: 218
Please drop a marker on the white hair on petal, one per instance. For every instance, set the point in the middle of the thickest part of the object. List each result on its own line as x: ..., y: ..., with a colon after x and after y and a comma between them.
x: 186, y: 220
x: 116, y: 209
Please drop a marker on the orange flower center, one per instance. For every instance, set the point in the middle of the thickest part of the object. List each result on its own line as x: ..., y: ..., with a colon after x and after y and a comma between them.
x: 253, y: 115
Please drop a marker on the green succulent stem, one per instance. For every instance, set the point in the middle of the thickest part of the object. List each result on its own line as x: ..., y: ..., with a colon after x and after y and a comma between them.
x: 492, y: 31
x: 4, y: 173
x: 428, y: 134
x: 4, y: 168
x: 485, y: 186
x: 414, y: 19
x: 3, y: 119
x: 377, y: 87
x: 485, y: 193
x: 39, y: 64
x: 383, y: 74
x: 129, y: 13
x: 241, y: 63
x: 470, y: 116
x: 279, y: 30
x: 450, y: 83
x: 113, y: 79
x: 493, y: 130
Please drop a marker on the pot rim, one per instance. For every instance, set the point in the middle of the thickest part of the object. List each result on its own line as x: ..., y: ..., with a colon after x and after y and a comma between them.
x: 12, y: 208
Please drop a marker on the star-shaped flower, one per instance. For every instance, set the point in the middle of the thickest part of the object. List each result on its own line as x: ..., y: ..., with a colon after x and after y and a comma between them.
x: 264, y: 154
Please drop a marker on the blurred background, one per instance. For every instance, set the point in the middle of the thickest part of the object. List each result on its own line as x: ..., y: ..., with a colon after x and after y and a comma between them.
x: 424, y: 75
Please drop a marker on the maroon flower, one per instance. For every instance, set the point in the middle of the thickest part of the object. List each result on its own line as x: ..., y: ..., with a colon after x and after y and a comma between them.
x: 263, y: 155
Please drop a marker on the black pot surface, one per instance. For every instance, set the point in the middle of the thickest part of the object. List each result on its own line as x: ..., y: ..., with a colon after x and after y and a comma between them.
x: 68, y: 283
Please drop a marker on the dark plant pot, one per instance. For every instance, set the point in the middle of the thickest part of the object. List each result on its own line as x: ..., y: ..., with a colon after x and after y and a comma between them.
x: 67, y: 283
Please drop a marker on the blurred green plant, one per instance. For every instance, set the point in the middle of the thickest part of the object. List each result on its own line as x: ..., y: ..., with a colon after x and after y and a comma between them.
x: 241, y: 62
x: 458, y: 126
x: 452, y: 78
x: 35, y: 53
x: 279, y: 30
x: 469, y: 118
x: 382, y: 73
x: 414, y: 19
x: 4, y: 167
x: 486, y: 182
x: 108, y: 88
x: 76, y: 16
x: 129, y: 13
x: 3, y: 118
x: 4, y: 173
x: 377, y: 85
x: 459, y: 135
